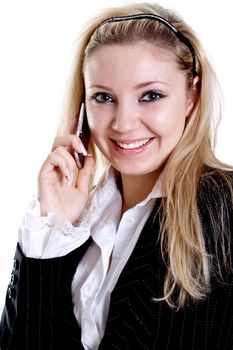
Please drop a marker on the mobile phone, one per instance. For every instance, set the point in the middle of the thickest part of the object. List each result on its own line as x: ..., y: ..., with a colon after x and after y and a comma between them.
x: 81, y: 129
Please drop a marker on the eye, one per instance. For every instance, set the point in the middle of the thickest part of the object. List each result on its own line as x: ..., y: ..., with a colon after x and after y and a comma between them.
x: 102, y: 97
x: 151, y: 96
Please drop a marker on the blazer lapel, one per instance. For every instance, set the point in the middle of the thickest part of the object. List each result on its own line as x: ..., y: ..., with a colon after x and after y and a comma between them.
x: 141, y: 272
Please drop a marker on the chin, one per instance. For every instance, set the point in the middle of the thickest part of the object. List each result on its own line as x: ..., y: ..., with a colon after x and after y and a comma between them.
x: 133, y: 170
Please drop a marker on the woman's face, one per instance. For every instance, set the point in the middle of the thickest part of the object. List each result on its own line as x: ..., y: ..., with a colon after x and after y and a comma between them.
x: 137, y: 104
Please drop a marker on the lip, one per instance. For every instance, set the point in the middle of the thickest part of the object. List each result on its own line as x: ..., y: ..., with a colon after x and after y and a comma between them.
x: 131, y: 151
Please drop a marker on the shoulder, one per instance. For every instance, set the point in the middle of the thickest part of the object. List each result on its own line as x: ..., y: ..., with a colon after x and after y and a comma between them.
x: 215, y: 201
x: 216, y: 176
x: 215, y: 205
x: 215, y: 184
x: 215, y: 209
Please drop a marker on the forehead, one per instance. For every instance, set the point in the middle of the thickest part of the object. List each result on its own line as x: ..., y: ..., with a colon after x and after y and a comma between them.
x: 131, y: 63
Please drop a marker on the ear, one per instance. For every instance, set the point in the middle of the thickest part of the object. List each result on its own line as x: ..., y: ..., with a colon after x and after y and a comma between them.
x: 193, y: 96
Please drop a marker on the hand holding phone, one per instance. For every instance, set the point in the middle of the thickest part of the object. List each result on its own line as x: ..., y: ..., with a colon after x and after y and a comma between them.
x: 62, y: 188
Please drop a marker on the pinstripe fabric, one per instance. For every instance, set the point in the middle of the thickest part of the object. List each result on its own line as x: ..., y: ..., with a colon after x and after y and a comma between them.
x: 137, y: 322
x: 39, y: 311
x: 39, y: 314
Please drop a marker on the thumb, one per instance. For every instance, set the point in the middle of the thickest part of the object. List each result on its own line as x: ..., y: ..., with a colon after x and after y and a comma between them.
x: 84, y: 175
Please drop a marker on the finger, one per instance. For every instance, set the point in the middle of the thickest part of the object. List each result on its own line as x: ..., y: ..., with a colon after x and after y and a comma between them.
x: 54, y: 161
x: 63, y: 164
x: 63, y: 152
x: 71, y: 142
x: 84, y: 175
x: 72, y: 166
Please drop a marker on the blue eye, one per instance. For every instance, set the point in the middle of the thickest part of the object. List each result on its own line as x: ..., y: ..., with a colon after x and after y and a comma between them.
x: 151, y: 96
x: 102, y: 97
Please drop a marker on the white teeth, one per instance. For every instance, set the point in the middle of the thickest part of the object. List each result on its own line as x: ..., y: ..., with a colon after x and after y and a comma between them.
x: 132, y: 145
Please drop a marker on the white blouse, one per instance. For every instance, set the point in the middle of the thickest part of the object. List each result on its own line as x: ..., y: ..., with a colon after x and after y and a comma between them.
x: 113, y: 236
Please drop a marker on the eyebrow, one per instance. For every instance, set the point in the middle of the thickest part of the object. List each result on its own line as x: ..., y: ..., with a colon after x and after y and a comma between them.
x: 141, y: 85
x: 136, y: 87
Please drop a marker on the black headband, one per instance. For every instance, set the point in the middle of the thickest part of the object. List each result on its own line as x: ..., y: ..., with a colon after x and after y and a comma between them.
x: 179, y: 35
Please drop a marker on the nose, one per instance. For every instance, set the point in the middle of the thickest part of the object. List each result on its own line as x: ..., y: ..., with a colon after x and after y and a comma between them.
x: 126, y: 117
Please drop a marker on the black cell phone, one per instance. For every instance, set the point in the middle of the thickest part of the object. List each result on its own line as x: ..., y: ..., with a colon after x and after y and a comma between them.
x: 82, y: 130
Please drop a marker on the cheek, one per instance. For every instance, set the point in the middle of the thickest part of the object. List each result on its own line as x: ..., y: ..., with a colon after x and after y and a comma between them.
x: 169, y: 122
x: 97, y: 128
x: 99, y: 120
x: 91, y: 121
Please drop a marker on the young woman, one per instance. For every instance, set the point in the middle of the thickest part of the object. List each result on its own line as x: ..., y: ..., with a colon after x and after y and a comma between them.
x: 141, y: 258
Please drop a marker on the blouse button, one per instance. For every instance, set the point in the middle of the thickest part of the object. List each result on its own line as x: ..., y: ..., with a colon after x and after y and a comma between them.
x: 50, y: 220
x: 68, y: 230
x: 33, y: 203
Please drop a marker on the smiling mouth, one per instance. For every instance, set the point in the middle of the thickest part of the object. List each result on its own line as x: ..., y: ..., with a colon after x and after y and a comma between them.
x: 133, y: 145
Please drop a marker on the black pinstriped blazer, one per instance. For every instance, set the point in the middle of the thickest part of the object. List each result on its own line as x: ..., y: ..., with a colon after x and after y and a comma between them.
x: 38, y: 313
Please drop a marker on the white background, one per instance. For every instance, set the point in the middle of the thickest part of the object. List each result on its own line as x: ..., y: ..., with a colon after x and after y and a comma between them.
x: 37, y: 39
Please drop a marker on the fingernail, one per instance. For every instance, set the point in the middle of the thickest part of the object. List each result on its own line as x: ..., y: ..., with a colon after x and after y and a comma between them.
x: 84, y: 151
x: 68, y: 175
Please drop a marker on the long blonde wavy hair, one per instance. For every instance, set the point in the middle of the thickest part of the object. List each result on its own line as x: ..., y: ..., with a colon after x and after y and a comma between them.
x: 181, y: 236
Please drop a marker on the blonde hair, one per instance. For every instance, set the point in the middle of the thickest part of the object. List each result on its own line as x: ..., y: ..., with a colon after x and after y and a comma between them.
x: 182, y: 242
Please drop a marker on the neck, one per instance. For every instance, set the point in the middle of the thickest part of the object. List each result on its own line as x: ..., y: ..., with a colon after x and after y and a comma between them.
x: 136, y: 188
